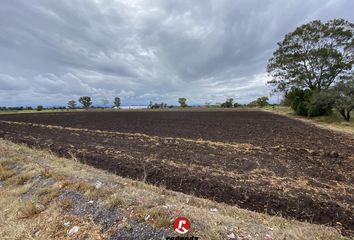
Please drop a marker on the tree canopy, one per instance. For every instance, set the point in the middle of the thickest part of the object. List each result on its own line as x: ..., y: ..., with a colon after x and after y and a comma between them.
x: 314, y: 56
x: 85, y: 101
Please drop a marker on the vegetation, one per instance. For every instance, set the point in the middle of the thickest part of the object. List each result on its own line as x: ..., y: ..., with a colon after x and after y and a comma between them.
x: 40, y: 108
x: 85, y: 101
x: 182, y: 102
x: 313, y: 65
x: 158, y: 105
x: 344, y: 98
x: 229, y: 103
x: 72, y: 104
x: 117, y: 102
x: 259, y: 102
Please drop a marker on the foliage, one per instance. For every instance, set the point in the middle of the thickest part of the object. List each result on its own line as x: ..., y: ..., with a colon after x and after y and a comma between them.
x: 182, y: 101
x: 344, y: 98
x: 72, y: 104
x: 228, y: 103
x: 157, y: 105
x: 308, y: 103
x: 320, y: 104
x: 262, y: 101
x: 117, y: 102
x: 236, y: 105
x: 40, y: 108
x: 85, y: 101
x: 314, y: 56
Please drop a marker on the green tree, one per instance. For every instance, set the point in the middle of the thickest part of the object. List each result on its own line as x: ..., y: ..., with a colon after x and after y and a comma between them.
x: 344, y: 98
x: 117, y: 102
x: 314, y: 56
x: 228, y: 103
x: 40, y: 108
x: 262, y: 101
x: 85, y: 101
x: 182, y: 102
x: 72, y: 104
x: 236, y: 105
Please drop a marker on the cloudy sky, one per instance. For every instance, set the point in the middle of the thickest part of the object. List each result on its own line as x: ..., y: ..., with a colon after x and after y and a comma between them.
x: 205, y: 50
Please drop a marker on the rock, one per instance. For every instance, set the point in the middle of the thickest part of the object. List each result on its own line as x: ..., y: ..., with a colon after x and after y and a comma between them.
x: 73, y: 230
x: 213, y: 210
x: 98, y: 185
x: 67, y: 224
x: 231, y: 236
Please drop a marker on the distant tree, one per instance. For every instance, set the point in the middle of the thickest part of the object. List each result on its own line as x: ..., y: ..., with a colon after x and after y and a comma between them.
x: 314, y: 56
x: 29, y: 108
x: 85, y: 101
x: 344, y: 98
x: 150, y: 104
x: 117, y: 102
x: 40, y: 108
x: 72, y: 104
x: 155, y: 106
x: 182, y: 102
x: 228, y: 103
x: 262, y: 101
x: 236, y: 105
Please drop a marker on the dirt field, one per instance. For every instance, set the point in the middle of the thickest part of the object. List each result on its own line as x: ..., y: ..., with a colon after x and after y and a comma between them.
x: 253, y: 159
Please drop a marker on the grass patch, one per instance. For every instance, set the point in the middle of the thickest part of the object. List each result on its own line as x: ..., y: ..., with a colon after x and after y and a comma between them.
x: 66, y: 203
x: 5, y: 172
x: 29, y: 210
x: 21, y: 180
x: 116, y: 202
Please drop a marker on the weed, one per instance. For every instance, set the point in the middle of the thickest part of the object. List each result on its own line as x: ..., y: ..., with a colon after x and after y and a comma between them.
x: 66, y: 203
x: 46, y: 173
x: 29, y: 209
x: 5, y: 172
x: 160, y: 217
x: 116, y: 202
x: 22, y: 179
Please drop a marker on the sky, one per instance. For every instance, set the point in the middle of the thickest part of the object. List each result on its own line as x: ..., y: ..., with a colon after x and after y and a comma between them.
x: 143, y: 50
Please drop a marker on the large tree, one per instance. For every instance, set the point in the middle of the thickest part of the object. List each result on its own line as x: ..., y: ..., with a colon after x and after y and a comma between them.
x: 314, y: 56
x: 85, y: 101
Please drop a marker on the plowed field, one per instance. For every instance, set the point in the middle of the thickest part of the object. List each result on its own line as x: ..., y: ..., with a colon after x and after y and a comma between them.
x: 253, y: 159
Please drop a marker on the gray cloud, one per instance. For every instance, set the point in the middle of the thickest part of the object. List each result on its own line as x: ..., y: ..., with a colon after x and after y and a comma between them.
x: 54, y: 51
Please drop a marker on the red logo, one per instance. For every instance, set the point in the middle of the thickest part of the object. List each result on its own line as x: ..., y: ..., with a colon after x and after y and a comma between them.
x: 182, y: 225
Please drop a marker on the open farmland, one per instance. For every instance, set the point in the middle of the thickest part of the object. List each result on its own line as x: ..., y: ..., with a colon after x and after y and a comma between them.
x: 253, y: 159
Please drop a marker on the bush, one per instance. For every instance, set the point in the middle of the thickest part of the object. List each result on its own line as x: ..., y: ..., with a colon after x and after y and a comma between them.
x: 308, y: 103
x: 320, y: 104
x: 40, y: 108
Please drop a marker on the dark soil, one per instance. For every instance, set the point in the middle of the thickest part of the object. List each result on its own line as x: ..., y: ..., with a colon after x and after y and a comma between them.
x: 253, y: 159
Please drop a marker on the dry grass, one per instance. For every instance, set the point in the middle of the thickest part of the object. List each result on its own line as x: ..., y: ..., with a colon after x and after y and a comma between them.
x: 44, y: 218
x: 5, y: 172
x: 29, y: 209
x: 66, y: 203
x: 333, y: 122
